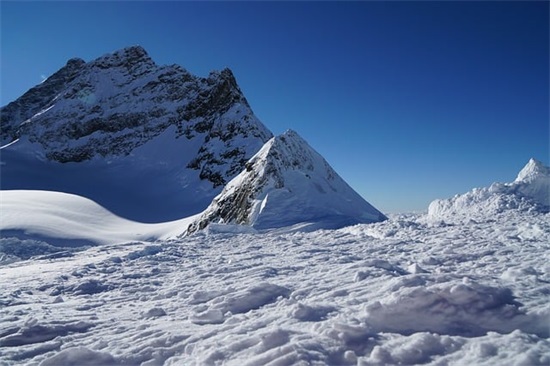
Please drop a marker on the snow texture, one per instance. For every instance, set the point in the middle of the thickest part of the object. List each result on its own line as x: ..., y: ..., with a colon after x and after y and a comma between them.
x: 405, y: 291
x: 529, y: 192
x: 478, y: 294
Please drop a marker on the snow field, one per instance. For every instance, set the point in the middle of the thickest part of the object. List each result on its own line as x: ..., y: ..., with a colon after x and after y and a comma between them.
x: 405, y: 291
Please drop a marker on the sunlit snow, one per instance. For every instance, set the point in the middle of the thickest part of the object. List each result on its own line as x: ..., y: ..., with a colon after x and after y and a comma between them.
x: 414, y: 289
x: 251, y: 255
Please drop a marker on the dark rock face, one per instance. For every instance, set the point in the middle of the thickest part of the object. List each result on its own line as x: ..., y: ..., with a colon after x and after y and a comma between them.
x: 120, y: 101
x: 36, y: 99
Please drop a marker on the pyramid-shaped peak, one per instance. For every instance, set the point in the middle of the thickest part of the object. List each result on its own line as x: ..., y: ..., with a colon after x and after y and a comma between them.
x: 286, y: 183
x: 532, y: 170
x: 290, y: 133
x: 291, y: 136
x: 289, y: 151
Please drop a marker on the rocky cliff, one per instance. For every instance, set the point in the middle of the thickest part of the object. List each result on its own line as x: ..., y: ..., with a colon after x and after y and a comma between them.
x: 120, y: 101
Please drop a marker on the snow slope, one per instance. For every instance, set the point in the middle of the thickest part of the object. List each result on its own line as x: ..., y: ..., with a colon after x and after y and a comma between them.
x: 287, y: 183
x: 529, y: 191
x: 68, y: 220
x: 400, y: 292
x: 150, y: 185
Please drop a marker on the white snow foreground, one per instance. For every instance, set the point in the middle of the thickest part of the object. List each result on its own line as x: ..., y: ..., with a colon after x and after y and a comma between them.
x: 288, y: 183
x: 530, y: 191
x: 403, y: 291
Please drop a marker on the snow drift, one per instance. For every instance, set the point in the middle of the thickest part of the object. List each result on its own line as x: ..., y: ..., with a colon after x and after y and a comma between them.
x: 67, y: 220
x: 398, y: 292
x: 286, y: 183
x: 530, y: 191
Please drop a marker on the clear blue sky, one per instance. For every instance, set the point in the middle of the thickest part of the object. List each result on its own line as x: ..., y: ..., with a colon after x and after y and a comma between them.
x: 408, y: 101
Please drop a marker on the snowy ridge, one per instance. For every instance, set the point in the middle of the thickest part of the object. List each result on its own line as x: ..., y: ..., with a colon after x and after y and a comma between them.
x: 286, y: 183
x: 529, y: 192
x: 154, y: 143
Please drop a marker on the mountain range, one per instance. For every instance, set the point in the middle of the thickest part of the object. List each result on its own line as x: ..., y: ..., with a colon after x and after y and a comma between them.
x: 154, y: 143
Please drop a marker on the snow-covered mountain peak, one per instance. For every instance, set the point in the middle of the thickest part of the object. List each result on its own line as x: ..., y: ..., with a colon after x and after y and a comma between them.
x: 128, y: 56
x: 530, y: 191
x: 156, y: 143
x: 77, y: 113
x: 533, y: 169
x: 123, y: 109
x: 289, y: 151
x: 287, y: 183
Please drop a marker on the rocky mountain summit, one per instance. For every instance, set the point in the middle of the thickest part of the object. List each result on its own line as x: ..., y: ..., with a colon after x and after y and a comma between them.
x: 155, y: 143
x: 120, y: 101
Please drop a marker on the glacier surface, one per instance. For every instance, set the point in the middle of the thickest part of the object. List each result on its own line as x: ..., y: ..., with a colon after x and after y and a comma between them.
x: 404, y: 291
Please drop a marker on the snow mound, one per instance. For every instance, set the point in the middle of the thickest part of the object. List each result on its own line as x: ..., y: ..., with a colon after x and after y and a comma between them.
x: 285, y: 183
x: 465, y: 309
x: 67, y: 220
x: 79, y: 356
x: 529, y: 192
